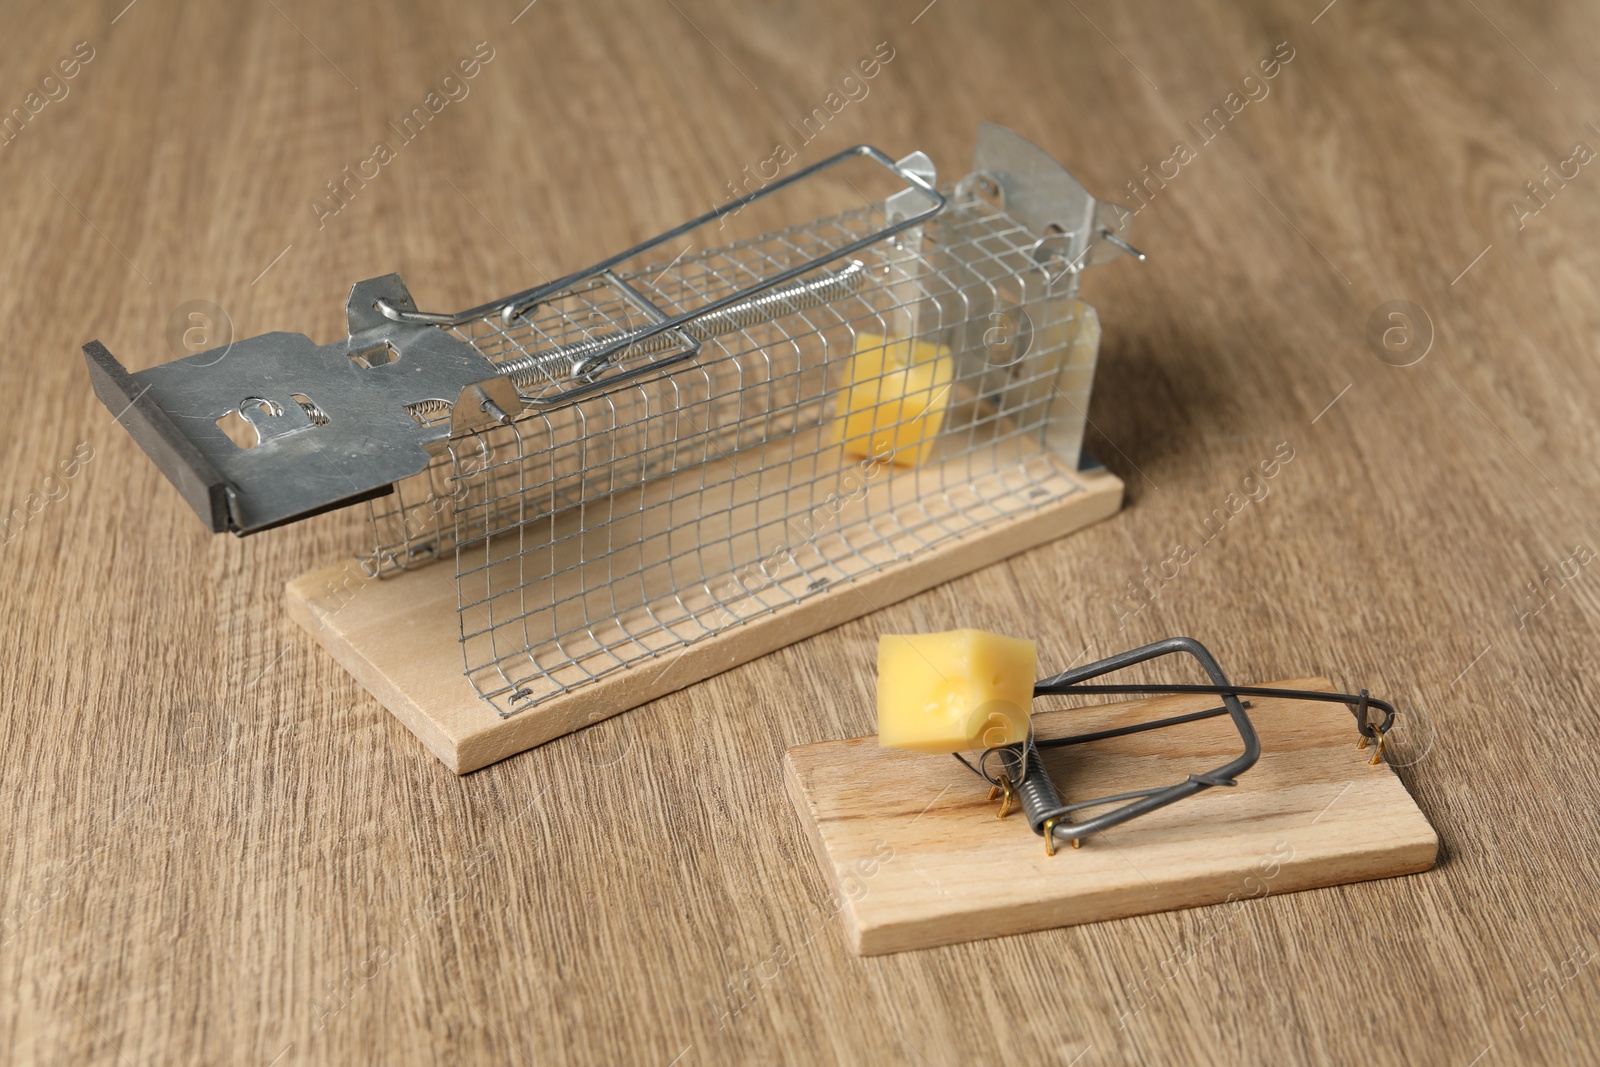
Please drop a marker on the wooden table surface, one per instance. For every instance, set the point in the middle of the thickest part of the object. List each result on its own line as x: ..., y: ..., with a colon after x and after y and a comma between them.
x: 218, y: 849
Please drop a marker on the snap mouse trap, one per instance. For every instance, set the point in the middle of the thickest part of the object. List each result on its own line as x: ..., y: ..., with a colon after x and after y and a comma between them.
x: 750, y: 428
x: 1264, y: 793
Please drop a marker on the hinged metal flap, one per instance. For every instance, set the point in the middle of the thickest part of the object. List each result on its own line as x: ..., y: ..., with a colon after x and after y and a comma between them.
x: 333, y: 424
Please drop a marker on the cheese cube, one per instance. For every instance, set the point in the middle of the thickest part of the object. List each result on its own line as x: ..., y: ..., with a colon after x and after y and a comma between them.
x: 895, y: 402
x: 964, y: 689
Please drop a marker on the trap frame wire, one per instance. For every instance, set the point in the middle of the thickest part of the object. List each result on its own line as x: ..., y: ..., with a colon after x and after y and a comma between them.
x: 1022, y: 775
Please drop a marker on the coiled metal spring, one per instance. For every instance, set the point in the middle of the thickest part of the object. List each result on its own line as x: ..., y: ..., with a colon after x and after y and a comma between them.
x: 577, y: 360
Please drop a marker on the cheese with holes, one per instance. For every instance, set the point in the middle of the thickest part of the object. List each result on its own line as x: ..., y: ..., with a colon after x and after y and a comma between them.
x: 964, y: 689
x: 895, y: 401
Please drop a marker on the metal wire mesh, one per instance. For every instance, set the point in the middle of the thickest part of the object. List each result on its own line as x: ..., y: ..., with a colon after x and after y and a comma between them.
x: 790, y: 455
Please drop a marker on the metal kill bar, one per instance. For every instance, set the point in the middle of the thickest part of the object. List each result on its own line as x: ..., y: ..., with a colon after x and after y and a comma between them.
x: 1042, y: 802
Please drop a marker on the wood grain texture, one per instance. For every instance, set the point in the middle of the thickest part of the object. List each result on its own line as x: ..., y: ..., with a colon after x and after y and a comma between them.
x: 917, y: 858
x: 218, y: 848
x: 401, y: 637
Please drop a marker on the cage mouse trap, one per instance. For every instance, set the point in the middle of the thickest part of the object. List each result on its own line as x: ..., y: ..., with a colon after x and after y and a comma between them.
x: 1170, y: 801
x: 757, y: 425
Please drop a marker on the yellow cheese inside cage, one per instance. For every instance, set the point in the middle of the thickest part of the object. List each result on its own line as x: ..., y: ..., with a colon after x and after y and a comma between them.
x: 896, y: 400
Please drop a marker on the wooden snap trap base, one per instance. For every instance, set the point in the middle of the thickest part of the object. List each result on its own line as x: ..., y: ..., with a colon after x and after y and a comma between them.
x: 399, y: 636
x: 918, y: 858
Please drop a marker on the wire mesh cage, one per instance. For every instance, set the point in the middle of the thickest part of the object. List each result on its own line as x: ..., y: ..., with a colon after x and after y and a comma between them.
x: 940, y: 381
x: 687, y: 437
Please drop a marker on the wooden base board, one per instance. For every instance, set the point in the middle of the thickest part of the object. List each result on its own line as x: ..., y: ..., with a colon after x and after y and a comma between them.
x: 917, y: 858
x: 399, y: 636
